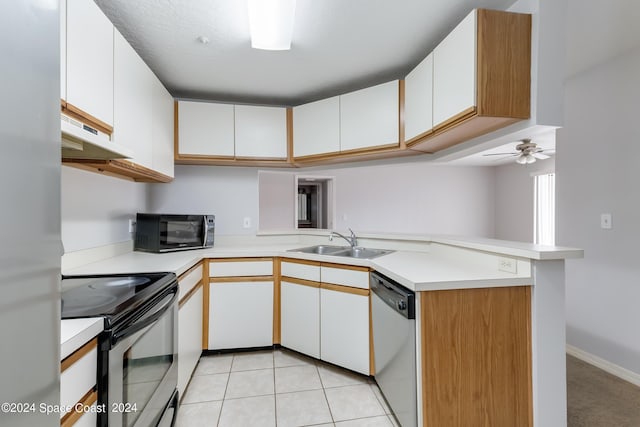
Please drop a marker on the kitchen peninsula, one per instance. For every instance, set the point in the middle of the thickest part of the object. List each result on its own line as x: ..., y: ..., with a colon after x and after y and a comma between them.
x: 490, y: 314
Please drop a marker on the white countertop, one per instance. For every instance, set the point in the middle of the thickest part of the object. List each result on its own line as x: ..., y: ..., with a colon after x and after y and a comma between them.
x: 74, y: 333
x: 418, y: 271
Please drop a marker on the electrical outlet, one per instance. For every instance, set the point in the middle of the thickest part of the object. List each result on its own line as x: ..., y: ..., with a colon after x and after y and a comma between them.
x: 605, y: 221
x: 508, y: 265
x: 132, y: 225
x: 247, y: 222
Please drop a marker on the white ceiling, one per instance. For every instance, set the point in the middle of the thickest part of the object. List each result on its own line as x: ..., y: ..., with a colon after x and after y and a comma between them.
x: 338, y: 45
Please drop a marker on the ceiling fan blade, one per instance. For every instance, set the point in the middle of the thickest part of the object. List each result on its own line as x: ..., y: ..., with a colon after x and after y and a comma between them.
x: 540, y: 156
x: 501, y: 154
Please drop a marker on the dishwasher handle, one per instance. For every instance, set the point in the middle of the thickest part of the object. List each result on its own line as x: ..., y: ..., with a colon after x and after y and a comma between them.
x: 396, y: 296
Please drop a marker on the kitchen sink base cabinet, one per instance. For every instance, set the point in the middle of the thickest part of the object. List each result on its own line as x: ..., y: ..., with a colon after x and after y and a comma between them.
x: 300, y: 316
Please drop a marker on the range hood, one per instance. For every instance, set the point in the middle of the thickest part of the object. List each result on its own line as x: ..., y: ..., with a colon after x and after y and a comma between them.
x: 82, y: 142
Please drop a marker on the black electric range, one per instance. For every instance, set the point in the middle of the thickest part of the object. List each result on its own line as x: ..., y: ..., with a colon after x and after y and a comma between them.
x: 116, y: 297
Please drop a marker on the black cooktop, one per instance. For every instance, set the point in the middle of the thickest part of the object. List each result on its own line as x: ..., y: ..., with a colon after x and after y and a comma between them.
x: 113, y: 296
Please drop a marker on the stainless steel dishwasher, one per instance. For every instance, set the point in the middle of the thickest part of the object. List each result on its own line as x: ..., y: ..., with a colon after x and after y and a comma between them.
x: 394, y: 346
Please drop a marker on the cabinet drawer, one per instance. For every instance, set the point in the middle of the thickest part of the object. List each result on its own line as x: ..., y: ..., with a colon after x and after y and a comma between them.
x: 78, y: 374
x: 190, y: 280
x: 87, y: 417
x: 300, y: 271
x: 346, y: 277
x: 240, y: 268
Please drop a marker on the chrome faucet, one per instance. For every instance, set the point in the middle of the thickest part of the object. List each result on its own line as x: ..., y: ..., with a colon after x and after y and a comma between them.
x: 353, y: 240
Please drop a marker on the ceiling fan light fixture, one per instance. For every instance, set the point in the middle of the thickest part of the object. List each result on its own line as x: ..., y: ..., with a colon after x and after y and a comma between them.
x: 271, y: 23
x: 521, y: 159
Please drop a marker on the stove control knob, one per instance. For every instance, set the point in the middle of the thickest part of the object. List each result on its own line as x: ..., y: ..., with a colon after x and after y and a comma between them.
x: 402, y: 305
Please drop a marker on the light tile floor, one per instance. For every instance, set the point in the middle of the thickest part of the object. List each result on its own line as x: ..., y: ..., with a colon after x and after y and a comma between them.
x: 279, y: 388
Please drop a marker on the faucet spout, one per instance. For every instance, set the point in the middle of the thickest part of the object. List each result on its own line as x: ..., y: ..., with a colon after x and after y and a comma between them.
x: 352, y: 240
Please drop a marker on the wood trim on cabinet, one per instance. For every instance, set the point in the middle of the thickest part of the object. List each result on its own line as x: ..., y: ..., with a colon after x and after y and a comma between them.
x: 303, y: 282
x: 63, y: 104
x: 119, y: 168
x: 476, y: 357
x: 86, y: 118
x: 418, y: 138
x: 345, y: 289
x: 205, y: 306
x: 290, y: 135
x: 401, y: 92
x: 236, y: 279
x: 503, y: 64
x: 345, y: 267
x: 276, y: 302
x: 372, y: 361
x: 189, y: 294
x: 301, y: 261
x: 78, y: 354
x: 230, y: 161
x: 72, y: 417
x: 455, y: 120
x: 189, y: 271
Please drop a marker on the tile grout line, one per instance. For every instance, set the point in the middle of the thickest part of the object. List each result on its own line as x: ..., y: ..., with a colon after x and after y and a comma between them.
x: 324, y: 392
x: 275, y: 403
x: 225, y: 392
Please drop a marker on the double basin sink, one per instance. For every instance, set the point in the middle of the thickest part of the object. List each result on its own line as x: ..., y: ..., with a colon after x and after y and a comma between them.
x: 344, y: 251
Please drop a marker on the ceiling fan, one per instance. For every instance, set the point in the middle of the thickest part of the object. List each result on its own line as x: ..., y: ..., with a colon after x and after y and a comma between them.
x: 527, y: 152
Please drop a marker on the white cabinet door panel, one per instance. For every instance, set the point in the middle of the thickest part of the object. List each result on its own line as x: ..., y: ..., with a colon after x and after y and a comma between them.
x: 162, y: 131
x: 189, y: 338
x: 316, y: 127
x: 260, y: 131
x: 344, y: 326
x: 454, y: 71
x: 240, y: 315
x: 240, y: 268
x: 342, y: 276
x: 78, y: 379
x: 133, y: 99
x: 205, y: 128
x: 90, y: 59
x: 418, y: 99
x: 300, y: 318
x: 300, y: 271
x: 189, y: 281
x: 369, y: 117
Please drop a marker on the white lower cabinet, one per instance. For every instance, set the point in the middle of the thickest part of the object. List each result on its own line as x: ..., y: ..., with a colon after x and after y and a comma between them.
x: 344, y: 325
x: 240, y: 314
x: 78, y: 378
x: 300, y: 318
x: 189, y: 338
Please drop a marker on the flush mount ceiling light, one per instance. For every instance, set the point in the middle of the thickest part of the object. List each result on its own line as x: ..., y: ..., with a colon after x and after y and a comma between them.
x: 271, y: 23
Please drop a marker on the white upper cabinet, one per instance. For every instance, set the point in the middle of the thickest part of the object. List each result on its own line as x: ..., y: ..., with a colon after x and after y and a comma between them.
x: 454, y: 72
x: 89, y: 51
x: 316, y: 127
x: 162, y: 131
x: 418, y: 99
x: 205, y: 128
x: 260, y: 132
x: 133, y: 98
x: 369, y: 117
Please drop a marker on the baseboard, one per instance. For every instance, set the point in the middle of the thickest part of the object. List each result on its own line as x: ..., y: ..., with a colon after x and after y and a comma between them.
x: 605, y: 365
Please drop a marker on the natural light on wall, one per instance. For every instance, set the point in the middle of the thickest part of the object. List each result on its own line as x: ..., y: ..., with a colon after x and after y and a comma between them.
x: 545, y: 210
x: 271, y: 23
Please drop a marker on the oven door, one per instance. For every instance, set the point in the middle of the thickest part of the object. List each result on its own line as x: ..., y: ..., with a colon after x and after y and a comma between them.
x: 143, y: 365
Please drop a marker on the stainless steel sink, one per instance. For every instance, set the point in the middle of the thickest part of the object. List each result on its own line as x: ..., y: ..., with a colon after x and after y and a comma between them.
x: 320, y: 249
x: 345, y: 251
x: 364, y: 253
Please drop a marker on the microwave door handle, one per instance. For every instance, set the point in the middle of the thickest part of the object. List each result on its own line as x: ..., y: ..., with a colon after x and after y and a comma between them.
x: 206, y: 231
x: 137, y: 326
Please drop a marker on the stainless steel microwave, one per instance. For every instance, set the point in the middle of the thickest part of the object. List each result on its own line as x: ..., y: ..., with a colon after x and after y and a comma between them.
x: 166, y: 233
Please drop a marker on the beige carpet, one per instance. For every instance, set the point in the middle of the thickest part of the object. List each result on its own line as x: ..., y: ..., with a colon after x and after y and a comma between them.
x: 596, y: 398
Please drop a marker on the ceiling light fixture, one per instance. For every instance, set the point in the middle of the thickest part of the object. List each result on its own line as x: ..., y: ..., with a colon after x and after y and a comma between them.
x: 271, y: 23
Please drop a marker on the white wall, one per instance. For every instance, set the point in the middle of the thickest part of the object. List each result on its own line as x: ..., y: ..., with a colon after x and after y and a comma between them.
x: 514, y: 188
x: 597, y: 172
x: 230, y: 193
x: 412, y: 197
x: 96, y: 208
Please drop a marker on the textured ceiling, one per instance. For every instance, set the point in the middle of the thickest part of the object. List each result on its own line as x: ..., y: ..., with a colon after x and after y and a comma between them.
x: 338, y: 45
